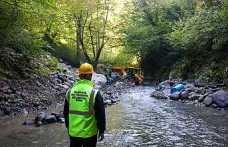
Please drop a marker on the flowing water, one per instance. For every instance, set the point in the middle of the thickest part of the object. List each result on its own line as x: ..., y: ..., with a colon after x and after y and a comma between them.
x: 138, y: 120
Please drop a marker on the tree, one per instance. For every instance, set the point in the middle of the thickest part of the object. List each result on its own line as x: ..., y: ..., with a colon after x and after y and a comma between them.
x: 90, y: 20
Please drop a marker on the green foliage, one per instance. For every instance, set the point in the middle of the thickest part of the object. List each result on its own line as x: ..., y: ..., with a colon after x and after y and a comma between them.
x: 174, y: 38
x: 122, y: 59
x: 45, y: 64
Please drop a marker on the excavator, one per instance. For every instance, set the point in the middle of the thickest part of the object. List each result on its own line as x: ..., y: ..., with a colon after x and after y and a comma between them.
x: 133, y: 74
x: 136, y: 75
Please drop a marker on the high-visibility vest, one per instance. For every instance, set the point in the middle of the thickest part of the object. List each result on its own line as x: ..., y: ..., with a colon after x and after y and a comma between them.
x: 82, y: 121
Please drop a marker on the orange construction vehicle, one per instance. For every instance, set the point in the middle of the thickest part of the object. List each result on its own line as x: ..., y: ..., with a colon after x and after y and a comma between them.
x: 136, y: 75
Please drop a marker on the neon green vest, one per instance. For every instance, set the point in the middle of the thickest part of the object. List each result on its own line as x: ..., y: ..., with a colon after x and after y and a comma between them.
x: 82, y: 122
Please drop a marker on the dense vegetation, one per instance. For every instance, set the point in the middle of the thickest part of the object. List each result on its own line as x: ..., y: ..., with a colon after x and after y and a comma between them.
x: 171, y: 38
x: 180, y: 38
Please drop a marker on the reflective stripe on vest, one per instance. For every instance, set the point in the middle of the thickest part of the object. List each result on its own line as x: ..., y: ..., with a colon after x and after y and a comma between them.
x: 82, y: 121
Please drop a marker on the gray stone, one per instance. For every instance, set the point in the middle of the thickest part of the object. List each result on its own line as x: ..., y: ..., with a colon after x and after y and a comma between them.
x: 214, y: 105
x: 107, y: 102
x: 7, y: 111
x: 50, y: 119
x: 159, y: 95
x: 220, y: 98
x: 208, y: 101
x: 201, y: 98
x: 28, y: 123
x: 194, y: 97
x: 175, y: 96
x: 65, y: 86
x: 184, y: 95
x: 40, y: 117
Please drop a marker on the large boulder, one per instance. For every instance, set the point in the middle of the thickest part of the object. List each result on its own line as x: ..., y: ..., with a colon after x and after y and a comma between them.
x: 208, y: 101
x: 159, y: 95
x: 220, y: 98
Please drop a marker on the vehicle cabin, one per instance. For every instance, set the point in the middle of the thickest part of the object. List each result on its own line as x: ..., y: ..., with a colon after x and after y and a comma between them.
x: 135, y: 74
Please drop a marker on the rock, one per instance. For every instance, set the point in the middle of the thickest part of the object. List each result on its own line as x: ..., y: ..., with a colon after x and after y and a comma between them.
x: 107, y: 102
x: 64, y: 86
x: 201, y: 98
x: 220, y: 98
x: 7, y: 111
x: 61, y: 120
x: 194, y: 96
x: 38, y: 123
x: 113, y: 101
x: 190, y: 86
x: 208, y: 101
x: 184, y: 95
x: 175, y: 96
x: 159, y: 95
x: 215, y: 89
x: 214, y: 105
x: 40, y: 117
x: 28, y: 123
x: 164, y: 85
x: 58, y: 116
x: 38, y: 83
x: 50, y: 119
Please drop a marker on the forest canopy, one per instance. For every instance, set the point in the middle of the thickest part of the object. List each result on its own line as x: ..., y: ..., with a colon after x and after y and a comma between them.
x: 169, y: 38
x: 180, y: 38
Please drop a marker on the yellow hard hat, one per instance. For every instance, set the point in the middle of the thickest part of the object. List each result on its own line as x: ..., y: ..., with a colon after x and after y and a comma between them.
x: 86, y: 68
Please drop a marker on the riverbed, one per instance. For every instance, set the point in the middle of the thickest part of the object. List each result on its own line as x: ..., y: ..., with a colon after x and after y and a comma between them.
x: 138, y: 120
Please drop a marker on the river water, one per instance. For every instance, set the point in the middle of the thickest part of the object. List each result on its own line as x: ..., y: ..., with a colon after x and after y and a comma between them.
x: 138, y: 120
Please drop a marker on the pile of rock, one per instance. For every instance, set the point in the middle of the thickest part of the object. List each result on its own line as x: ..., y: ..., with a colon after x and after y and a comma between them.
x: 209, y: 95
x: 33, y: 94
x: 112, y: 92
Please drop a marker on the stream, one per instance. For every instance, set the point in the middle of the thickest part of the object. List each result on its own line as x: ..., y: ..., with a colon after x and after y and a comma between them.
x: 138, y: 120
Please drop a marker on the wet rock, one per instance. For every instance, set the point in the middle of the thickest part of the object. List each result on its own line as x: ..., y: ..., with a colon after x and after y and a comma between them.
x: 50, y: 119
x: 164, y: 85
x: 7, y: 111
x: 194, y: 96
x: 220, y: 98
x: 184, y: 95
x: 28, y: 123
x: 201, y: 98
x: 107, y: 102
x: 59, y: 116
x: 61, y: 120
x: 38, y: 123
x: 64, y: 86
x: 214, y: 105
x: 159, y: 95
x: 175, y: 96
x: 113, y: 101
x: 208, y: 101
x: 40, y: 117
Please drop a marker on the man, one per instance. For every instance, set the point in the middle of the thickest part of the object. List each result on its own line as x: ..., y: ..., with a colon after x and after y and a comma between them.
x: 84, y: 111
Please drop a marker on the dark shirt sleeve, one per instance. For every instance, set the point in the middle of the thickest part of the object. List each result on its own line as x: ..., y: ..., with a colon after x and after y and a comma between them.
x: 100, y: 113
x: 66, y: 110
